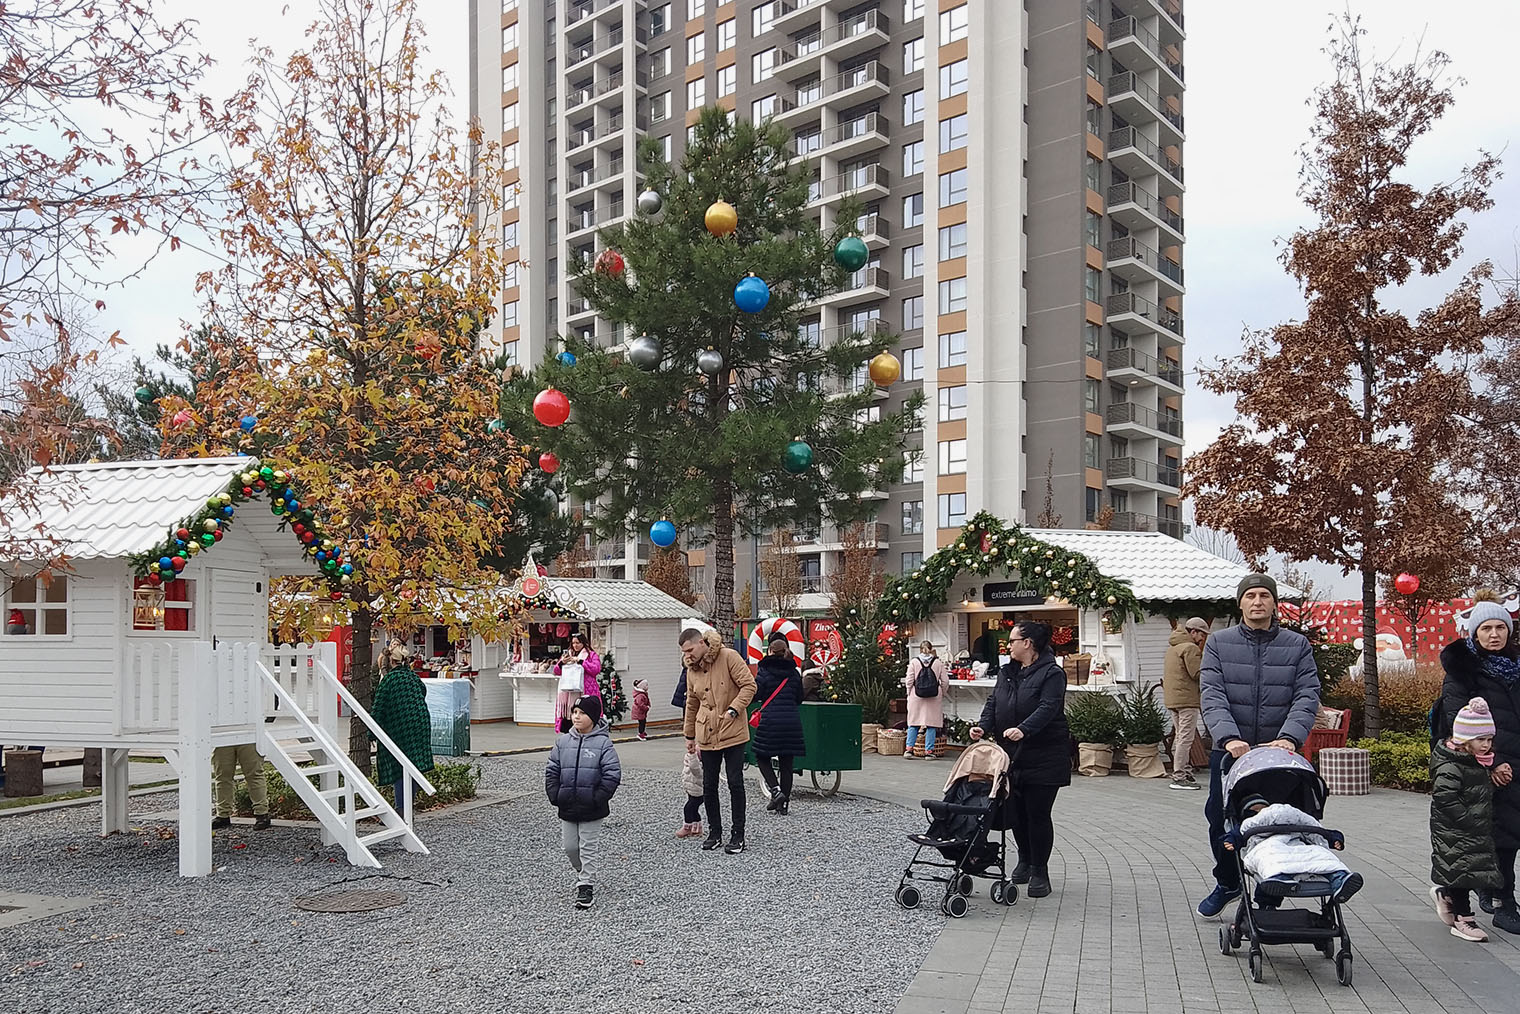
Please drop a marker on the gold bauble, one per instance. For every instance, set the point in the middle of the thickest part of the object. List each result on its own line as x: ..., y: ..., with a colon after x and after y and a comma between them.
x: 721, y: 218
x: 885, y: 369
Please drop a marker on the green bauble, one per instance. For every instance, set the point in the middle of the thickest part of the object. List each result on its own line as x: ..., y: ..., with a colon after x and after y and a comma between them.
x: 851, y: 253
x: 798, y: 457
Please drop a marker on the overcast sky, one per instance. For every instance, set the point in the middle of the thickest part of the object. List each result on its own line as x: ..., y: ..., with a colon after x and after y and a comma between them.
x: 1250, y: 71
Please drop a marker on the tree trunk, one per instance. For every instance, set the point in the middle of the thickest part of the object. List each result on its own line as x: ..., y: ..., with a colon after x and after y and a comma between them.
x: 1372, y: 715
x: 361, y: 683
x: 723, y: 556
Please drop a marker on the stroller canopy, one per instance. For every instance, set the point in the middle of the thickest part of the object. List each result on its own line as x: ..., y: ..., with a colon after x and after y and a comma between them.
x: 1278, y: 776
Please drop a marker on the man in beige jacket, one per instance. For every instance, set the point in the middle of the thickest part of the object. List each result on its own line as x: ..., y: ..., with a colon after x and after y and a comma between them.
x: 1179, y: 684
x: 719, y: 689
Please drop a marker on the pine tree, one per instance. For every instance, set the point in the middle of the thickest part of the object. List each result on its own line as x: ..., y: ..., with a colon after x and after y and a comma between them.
x: 705, y: 450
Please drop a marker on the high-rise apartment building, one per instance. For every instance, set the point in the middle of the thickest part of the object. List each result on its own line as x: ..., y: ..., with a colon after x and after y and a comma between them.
x: 1020, y: 165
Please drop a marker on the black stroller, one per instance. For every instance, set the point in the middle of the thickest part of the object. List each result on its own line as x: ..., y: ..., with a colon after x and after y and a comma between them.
x: 959, y: 833
x: 1281, y: 776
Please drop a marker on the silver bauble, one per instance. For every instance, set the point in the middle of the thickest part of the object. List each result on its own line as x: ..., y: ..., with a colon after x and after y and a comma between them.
x: 651, y: 203
x: 645, y: 353
x: 710, y: 361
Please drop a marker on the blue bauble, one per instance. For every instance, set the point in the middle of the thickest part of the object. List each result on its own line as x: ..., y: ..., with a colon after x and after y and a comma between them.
x: 227, y: 511
x: 752, y: 294
x: 292, y: 505
x: 347, y: 568
x: 662, y: 534
x: 164, y: 563
x: 248, y: 422
x: 321, y: 556
x: 567, y: 358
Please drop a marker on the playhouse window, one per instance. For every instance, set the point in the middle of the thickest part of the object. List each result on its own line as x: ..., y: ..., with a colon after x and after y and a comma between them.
x: 167, y: 607
x: 34, y: 606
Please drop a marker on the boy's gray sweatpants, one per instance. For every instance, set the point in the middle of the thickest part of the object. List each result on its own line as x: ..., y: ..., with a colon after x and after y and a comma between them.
x: 579, y: 840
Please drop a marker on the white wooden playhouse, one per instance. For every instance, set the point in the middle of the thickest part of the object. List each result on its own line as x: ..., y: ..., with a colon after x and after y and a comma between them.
x: 104, y: 656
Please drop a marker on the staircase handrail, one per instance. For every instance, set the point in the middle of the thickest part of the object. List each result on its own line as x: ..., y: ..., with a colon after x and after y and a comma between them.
x: 384, y: 740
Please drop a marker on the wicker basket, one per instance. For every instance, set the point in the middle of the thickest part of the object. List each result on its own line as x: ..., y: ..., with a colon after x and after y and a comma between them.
x: 889, y: 742
x: 868, y: 731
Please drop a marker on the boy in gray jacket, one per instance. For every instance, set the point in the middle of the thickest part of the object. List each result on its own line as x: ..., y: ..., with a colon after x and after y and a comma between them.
x: 582, y: 775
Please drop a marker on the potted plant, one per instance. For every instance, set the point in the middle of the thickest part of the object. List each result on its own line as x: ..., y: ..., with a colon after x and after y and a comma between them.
x: 1096, y: 724
x: 1143, y: 729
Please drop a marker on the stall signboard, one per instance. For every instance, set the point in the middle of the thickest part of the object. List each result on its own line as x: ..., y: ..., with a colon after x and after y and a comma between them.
x: 825, y: 643
x: 1011, y: 593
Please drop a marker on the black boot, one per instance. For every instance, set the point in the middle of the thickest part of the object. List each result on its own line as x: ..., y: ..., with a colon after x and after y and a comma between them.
x: 776, y: 797
x: 714, y: 838
x: 735, y: 844
x: 220, y: 823
x: 1507, y: 917
x: 785, y: 805
x: 1020, y: 874
x: 1488, y: 901
x: 1039, y: 882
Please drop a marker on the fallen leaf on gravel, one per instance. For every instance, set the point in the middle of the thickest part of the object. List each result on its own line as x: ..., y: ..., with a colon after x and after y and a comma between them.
x: 80, y: 964
x: 166, y: 834
x: 180, y: 932
x: 243, y: 845
x: 636, y: 961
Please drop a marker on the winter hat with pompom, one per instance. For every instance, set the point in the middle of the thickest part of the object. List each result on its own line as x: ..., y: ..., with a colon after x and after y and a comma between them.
x: 1473, y: 722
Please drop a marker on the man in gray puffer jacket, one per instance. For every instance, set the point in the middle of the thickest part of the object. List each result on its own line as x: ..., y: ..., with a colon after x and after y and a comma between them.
x: 1258, y: 686
x: 582, y: 775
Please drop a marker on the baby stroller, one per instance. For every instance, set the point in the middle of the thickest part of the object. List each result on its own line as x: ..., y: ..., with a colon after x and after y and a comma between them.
x: 958, y: 834
x: 1281, y: 776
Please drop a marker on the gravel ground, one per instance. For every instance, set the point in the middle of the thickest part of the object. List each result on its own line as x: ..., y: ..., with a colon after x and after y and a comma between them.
x: 488, y: 924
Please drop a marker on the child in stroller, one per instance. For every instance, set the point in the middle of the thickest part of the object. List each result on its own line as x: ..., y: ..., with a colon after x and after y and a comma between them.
x: 958, y: 833
x: 1273, y: 801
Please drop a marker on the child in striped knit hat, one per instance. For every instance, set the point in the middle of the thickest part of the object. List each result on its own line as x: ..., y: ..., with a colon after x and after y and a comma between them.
x: 1463, y: 858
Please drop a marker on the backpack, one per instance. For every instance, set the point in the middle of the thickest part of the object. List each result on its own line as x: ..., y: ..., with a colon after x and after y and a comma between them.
x: 925, y: 684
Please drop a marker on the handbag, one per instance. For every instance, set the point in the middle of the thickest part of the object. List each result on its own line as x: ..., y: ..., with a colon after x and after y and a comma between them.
x: 571, y: 678
x: 754, y: 720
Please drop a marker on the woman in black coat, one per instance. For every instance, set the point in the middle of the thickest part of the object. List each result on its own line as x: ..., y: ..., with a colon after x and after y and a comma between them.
x: 778, y: 737
x: 1026, y: 716
x: 1484, y: 664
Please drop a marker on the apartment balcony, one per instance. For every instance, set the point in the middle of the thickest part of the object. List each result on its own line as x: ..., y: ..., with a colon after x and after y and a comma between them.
x: 1134, y: 314
x: 1135, y: 45
x: 865, y: 182
x: 1137, y: 101
x: 840, y: 332
x: 611, y: 134
x: 1136, y: 473
x: 873, y: 229
x: 1127, y: 420
x: 794, y: 15
x: 1129, y: 521
x: 1170, y: 25
x: 830, y: 537
x: 850, y: 88
x: 863, y: 286
x: 587, y: 9
x: 1135, y: 262
x: 850, y: 37
x: 1137, y: 209
x: 578, y: 310
x: 609, y: 91
x: 1139, y: 155
x: 579, y: 137
x: 1134, y: 366
x: 855, y: 137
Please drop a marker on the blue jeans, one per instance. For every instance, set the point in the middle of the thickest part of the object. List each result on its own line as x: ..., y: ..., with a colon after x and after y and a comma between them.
x: 929, y: 732
x: 398, y: 789
x: 1226, y: 872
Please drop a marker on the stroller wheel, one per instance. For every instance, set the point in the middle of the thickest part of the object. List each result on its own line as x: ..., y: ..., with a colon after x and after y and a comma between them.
x: 1226, y: 945
x: 1343, y: 968
x: 908, y: 896
x: 1003, y: 893
x: 964, y: 883
x: 954, y: 905
x: 1327, y: 948
x: 1255, y: 961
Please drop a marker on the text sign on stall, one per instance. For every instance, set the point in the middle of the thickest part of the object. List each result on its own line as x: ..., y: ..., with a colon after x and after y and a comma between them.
x: 1010, y: 593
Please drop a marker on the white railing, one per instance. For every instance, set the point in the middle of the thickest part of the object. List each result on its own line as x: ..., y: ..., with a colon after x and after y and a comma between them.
x: 149, y: 691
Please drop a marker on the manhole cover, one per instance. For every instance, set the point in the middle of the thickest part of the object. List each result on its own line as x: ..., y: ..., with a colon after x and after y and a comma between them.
x: 350, y: 901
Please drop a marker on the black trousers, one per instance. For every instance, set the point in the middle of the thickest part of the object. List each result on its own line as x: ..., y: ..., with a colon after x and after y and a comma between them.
x: 712, y: 760
x: 693, y: 811
x: 642, y: 723
x: 788, y: 767
x: 1460, y: 899
x: 1033, y: 830
x: 1507, y: 867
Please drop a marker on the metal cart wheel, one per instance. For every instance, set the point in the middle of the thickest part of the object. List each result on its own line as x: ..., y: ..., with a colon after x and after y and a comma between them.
x: 965, y: 883
x: 1003, y: 893
x: 1255, y: 961
x: 826, y: 782
x: 1343, y: 968
x: 908, y: 896
x: 1225, y: 945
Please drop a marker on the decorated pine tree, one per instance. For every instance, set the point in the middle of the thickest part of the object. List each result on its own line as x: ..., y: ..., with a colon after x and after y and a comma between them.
x: 718, y: 412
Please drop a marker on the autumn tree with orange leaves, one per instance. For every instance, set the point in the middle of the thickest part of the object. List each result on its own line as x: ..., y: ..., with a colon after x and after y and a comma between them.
x: 366, y: 269
x: 1350, y: 417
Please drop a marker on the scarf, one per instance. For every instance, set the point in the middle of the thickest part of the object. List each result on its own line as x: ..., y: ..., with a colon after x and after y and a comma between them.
x: 1501, y: 667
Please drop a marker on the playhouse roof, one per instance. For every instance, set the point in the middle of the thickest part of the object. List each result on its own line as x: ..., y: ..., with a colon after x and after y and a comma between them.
x: 1157, y: 567
x: 114, y: 509
x: 623, y: 600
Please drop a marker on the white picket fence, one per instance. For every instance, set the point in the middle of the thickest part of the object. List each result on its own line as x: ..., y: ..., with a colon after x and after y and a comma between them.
x: 149, y: 697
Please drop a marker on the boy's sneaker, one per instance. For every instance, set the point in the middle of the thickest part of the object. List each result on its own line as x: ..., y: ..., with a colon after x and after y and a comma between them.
x: 1348, y: 887
x: 1217, y: 899
x: 714, y: 839
x: 1184, y: 781
x: 583, y: 896
x: 1466, y: 928
x: 1507, y: 919
x: 1443, y: 906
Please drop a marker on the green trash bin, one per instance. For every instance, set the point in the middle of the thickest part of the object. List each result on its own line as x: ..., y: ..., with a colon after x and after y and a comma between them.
x: 832, y: 735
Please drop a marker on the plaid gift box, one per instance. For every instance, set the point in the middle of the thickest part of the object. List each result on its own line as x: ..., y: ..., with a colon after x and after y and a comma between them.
x: 1347, y: 770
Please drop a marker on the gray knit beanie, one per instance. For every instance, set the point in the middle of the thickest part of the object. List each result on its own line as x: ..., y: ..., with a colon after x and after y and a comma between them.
x: 1482, y: 612
x: 1255, y: 581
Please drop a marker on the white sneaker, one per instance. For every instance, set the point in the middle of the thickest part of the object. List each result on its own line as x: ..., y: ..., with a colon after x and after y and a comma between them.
x: 1466, y: 928
x: 908, y: 752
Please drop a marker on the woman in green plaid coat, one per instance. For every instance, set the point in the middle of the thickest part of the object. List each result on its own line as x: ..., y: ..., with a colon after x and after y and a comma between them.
x: 401, y: 710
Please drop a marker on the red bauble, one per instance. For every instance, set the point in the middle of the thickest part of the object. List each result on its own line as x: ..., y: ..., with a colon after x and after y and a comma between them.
x: 182, y: 533
x: 548, y: 462
x: 154, y: 579
x: 610, y: 263
x: 178, y: 563
x: 551, y: 407
x: 217, y: 535
x: 336, y: 596
x: 1406, y: 584
x: 248, y: 491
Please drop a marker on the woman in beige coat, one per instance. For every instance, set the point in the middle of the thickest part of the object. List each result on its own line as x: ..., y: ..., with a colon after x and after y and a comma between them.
x: 719, y: 688
x: 927, y: 713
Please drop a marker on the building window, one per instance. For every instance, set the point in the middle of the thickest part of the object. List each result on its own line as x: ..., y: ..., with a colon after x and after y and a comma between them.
x: 913, y: 363
x: 509, y: 235
x: 728, y: 34
x: 509, y: 38
x: 913, y: 261
x: 952, y: 133
x: 952, y: 295
x: 808, y: 142
x: 954, y: 24
x: 952, y: 349
x: 913, y: 313
x: 811, y: 333
x: 509, y: 156
x: 1090, y: 389
x: 1094, y: 62
x: 1095, y: 229
x: 952, y: 187
x: 659, y: 19
x: 696, y: 93
x: 761, y: 18
x: 913, y: 517
x: 1093, y: 286
x: 762, y: 66
x: 952, y: 404
x: 912, y: 561
x: 1094, y: 174
x: 508, y: 6
x: 1091, y: 340
x: 168, y: 606
x: 34, y: 606
x: 659, y: 65
x: 509, y: 314
x: 913, y: 467
x: 954, y: 79
x: 913, y: 9
x: 509, y: 117
x: 1094, y: 118
x: 509, y: 275
x: 913, y: 211
x: 665, y: 149
x: 913, y: 107
x: 913, y: 56
x: 1090, y: 450
x: 728, y: 80
x: 509, y: 78
x: 952, y: 241
x: 695, y: 9
x: 952, y: 510
x: 659, y: 108
x: 809, y: 91
x: 913, y: 158
x: 952, y: 457
x: 1118, y: 499
x: 762, y: 108
x: 696, y: 49
x: 1094, y: 503
x: 509, y: 353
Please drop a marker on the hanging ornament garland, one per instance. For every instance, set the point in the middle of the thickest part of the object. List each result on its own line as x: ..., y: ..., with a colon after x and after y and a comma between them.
x: 710, y: 361
x: 986, y: 545
x: 650, y: 203
x: 549, y: 462
x: 611, y: 264
x: 645, y: 353
x: 144, y: 395
x: 201, y: 531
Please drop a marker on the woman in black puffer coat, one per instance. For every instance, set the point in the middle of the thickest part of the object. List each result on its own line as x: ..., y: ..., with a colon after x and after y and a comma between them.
x: 1026, y: 716
x: 1484, y: 664
x: 778, y: 737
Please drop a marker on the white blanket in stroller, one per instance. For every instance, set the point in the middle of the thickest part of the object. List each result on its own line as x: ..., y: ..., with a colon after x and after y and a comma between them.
x: 1288, y: 855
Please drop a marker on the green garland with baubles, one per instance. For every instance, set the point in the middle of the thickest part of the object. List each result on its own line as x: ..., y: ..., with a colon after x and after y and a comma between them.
x: 986, y: 546
x: 200, y: 532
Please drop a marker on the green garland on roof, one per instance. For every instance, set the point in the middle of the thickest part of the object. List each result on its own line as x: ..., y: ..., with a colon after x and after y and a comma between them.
x: 985, y: 546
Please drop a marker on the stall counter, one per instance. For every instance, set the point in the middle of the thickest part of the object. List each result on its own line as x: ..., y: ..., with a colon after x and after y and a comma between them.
x: 534, y: 695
